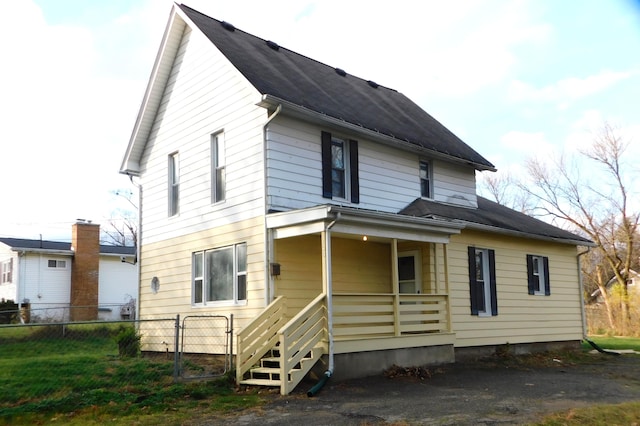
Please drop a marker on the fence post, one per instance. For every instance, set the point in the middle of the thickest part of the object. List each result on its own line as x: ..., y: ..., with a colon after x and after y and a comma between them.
x: 176, y: 354
x: 230, y: 342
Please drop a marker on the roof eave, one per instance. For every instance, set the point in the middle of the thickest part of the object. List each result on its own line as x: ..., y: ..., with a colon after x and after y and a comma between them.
x: 510, y: 232
x: 153, y: 93
x: 270, y: 101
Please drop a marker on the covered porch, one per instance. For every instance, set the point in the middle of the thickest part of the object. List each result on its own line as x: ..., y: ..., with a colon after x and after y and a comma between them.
x: 347, y: 281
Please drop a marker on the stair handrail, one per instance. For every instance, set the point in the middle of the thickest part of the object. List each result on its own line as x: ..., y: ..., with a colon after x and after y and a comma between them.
x: 259, y: 336
x: 299, y: 335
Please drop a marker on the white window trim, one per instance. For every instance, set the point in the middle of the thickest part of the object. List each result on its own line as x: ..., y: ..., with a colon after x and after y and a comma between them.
x: 429, y: 177
x: 218, y: 162
x: 539, y: 260
x: 173, y: 184
x: 347, y: 169
x: 486, y: 280
x: 217, y: 303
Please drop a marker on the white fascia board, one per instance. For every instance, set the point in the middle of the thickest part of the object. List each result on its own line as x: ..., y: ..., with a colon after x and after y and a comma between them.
x: 43, y: 251
x: 361, y: 222
x: 153, y: 94
x: 319, y: 118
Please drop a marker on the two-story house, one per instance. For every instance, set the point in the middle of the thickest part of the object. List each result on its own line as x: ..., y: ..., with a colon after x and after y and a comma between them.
x: 332, y: 216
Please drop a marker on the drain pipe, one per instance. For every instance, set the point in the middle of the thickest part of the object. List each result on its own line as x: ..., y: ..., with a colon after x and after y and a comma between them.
x: 584, y: 322
x: 268, y: 240
x: 327, y: 374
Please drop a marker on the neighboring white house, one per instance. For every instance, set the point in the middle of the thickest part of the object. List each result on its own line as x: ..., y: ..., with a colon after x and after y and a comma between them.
x: 633, y: 287
x: 50, y: 279
x: 332, y: 216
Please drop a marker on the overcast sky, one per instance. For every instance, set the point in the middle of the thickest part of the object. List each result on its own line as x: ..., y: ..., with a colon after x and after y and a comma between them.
x: 511, y: 78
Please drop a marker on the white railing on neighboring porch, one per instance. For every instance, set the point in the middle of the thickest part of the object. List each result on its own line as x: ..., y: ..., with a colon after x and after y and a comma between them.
x: 260, y: 336
x: 366, y: 315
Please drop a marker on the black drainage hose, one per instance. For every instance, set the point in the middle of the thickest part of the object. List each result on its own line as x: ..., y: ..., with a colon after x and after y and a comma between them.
x: 316, y: 388
x: 599, y: 349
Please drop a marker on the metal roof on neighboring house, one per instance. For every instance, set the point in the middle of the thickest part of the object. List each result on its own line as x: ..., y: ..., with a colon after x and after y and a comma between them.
x: 493, y: 216
x: 44, y: 245
x: 286, y: 75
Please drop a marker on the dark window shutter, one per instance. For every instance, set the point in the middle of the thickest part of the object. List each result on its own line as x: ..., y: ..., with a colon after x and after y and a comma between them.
x: 547, y: 284
x: 355, y: 175
x: 530, y: 280
x: 473, y: 286
x: 326, y: 165
x: 492, y: 279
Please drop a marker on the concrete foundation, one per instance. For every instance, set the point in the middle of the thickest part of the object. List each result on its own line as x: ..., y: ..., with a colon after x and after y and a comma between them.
x: 371, y: 363
x: 476, y: 352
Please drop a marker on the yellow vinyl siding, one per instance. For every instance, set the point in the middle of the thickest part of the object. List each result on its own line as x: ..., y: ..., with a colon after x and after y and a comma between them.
x: 522, y: 317
x: 300, y: 279
x: 170, y: 261
x: 361, y: 267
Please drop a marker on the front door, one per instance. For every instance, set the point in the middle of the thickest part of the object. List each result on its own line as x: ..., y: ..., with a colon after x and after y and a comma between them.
x: 409, y: 272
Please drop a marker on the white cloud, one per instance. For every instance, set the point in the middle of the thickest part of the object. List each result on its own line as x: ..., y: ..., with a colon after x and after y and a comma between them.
x: 527, y: 143
x: 566, y: 90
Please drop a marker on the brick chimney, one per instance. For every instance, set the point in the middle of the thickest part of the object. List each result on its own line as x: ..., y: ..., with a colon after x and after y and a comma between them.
x: 85, y: 242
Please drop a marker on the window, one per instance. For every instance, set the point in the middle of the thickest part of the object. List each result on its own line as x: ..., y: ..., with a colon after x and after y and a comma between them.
x: 220, y: 275
x: 425, y: 179
x: 482, y: 282
x: 6, y: 271
x: 174, y: 184
x: 340, y: 176
x: 60, y: 264
x: 218, y: 170
x: 538, y: 275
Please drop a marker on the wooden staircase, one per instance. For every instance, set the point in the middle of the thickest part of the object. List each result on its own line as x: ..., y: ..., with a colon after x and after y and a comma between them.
x: 269, y: 369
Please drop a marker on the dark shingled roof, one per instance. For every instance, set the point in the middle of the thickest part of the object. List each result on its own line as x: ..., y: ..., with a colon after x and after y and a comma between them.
x: 21, y: 243
x: 492, y: 214
x: 289, y: 76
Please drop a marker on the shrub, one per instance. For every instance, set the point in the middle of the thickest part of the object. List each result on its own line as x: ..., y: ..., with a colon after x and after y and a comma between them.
x: 8, y: 311
x: 128, y: 341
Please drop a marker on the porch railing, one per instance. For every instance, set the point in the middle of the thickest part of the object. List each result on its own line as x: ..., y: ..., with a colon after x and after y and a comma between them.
x: 301, y: 343
x: 366, y: 315
x: 260, y: 336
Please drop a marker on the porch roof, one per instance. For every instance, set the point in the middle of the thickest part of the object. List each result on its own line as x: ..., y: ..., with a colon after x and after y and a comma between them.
x: 357, y: 222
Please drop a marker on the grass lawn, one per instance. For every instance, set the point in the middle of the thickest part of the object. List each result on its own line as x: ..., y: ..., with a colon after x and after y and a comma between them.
x: 79, y: 378
x: 615, y: 343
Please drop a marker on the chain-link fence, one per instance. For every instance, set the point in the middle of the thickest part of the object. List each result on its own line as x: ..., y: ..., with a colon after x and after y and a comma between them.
x: 95, y: 359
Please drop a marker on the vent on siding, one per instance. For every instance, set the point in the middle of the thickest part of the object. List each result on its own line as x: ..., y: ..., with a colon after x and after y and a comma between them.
x: 227, y: 26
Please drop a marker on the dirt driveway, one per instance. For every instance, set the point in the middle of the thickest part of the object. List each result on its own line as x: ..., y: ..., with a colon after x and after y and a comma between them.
x: 491, y: 391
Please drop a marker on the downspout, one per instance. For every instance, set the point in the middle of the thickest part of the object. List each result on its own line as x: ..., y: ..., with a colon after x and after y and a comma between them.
x: 22, y: 260
x: 327, y: 374
x: 268, y: 240
x: 584, y: 321
x: 138, y: 245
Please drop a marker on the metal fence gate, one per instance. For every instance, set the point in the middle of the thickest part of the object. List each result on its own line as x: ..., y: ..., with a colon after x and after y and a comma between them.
x: 205, y: 346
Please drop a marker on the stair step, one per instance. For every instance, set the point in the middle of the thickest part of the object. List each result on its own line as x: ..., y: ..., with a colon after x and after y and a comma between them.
x: 260, y: 382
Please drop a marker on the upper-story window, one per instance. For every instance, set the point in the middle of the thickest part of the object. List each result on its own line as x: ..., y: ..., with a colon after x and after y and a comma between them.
x: 426, y: 180
x: 174, y: 184
x: 6, y: 271
x: 218, y: 168
x: 340, y: 176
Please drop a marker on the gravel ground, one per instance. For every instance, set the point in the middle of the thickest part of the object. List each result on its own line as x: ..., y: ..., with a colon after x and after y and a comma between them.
x: 491, y: 391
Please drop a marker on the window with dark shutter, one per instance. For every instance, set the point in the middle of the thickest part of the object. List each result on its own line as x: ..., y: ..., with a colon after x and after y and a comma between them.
x: 482, y: 282
x: 340, y: 174
x: 538, y: 275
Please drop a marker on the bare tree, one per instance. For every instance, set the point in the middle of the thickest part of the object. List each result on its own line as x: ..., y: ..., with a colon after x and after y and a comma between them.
x: 593, y: 198
x: 505, y: 189
x: 122, y: 226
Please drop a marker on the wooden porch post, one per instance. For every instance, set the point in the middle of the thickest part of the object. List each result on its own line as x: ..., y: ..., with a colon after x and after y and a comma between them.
x: 396, y: 287
x: 445, y: 255
x: 436, y: 268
